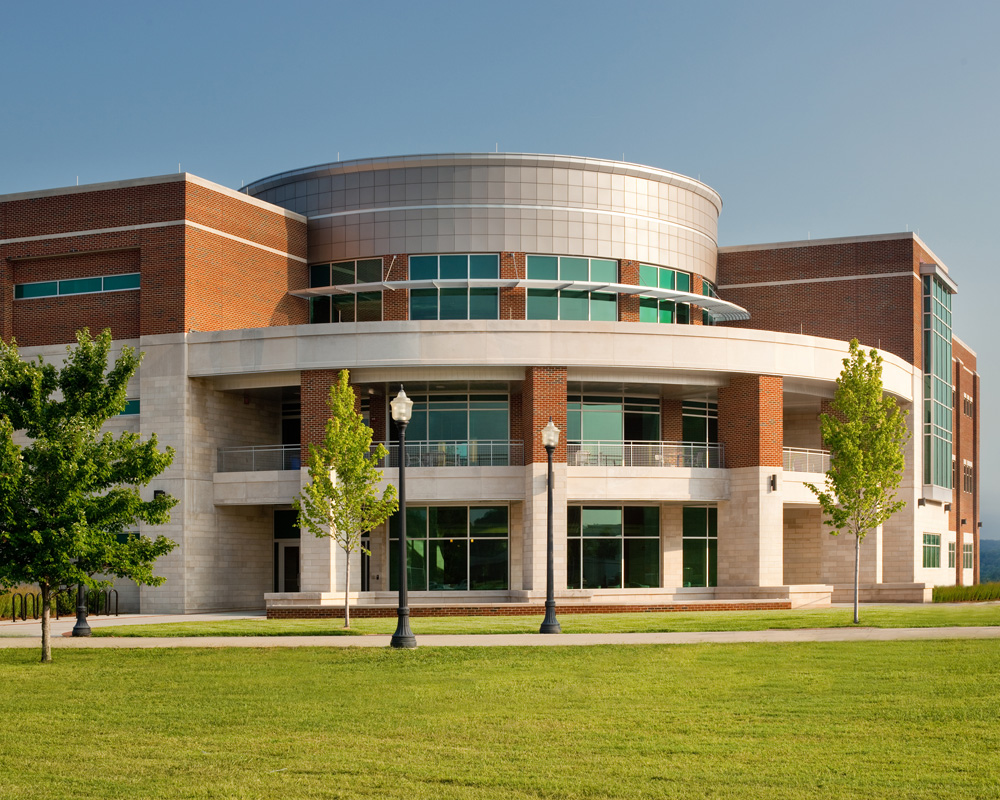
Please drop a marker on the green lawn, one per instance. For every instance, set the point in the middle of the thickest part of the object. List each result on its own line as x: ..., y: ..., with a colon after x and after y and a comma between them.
x: 846, y: 720
x: 906, y: 616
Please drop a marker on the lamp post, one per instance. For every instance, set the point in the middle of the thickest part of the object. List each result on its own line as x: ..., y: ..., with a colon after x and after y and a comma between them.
x: 550, y: 438
x: 82, y: 627
x: 402, y: 408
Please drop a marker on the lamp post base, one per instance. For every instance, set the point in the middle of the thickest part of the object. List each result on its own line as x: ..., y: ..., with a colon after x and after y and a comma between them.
x: 82, y: 627
x: 550, y: 624
x: 403, y: 638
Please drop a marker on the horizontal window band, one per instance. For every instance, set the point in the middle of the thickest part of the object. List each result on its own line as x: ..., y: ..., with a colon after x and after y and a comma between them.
x: 718, y: 309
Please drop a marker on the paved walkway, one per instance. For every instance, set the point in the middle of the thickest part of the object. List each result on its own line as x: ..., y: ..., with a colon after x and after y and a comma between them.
x: 522, y: 639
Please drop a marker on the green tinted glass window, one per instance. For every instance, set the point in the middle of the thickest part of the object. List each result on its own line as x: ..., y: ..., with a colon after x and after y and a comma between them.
x: 667, y: 279
x: 454, y: 267
x: 666, y: 311
x: 601, y: 270
x: 26, y: 290
x: 423, y: 268
x: 319, y: 309
x: 574, y: 269
x: 648, y: 276
x: 115, y: 283
x: 601, y: 521
x: 423, y: 304
x: 80, y: 286
x: 603, y: 307
x: 648, y: 309
x: 543, y: 268
x: 484, y: 266
x: 454, y: 304
x: 543, y: 304
x: 483, y: 304
x: 683, y: 282
x: 131, y: 407
x: 574, y: 305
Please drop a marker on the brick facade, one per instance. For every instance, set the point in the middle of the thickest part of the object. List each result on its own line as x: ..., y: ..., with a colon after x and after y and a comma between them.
x: 750, y: 421
x: 964, y: 516
x: 861, y: 288
x: 513, y: 300
x: 190, y: 277
x: 315, y: 410
x: 396, y: 304
x: 543, y: 398
x: 628, y: 305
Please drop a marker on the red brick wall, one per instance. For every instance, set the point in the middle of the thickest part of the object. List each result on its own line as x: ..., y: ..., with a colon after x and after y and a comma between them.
x: 543, y: 397
x: 697, y: 285
x: 513, y: 301
x: 671, y: 423
x: 316, y: 385
x: 516, y: 415
x: 396, y: 304
x: 190, y: 277
x: 628, y: 305
x: 751, y: 420
x: 64, y: 316
x: 965, y: 428
x: 377, y: 416
x: 867, y: 309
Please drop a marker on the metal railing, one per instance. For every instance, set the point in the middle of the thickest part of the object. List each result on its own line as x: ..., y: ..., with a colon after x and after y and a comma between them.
x: 455, y: 453
x: 644, y: 454
x: 798, y: 459
x: 260, y: 458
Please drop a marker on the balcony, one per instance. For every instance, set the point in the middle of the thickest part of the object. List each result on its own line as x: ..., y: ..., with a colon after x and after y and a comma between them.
x: 644, y: 454
x: 260, y: 458
x: 797, y: 459
x: 482, y: 453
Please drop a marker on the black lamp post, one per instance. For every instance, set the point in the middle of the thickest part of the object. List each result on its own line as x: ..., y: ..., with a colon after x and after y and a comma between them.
x: 82, y: 627
x: 402, y: 408
x: 550, y: 438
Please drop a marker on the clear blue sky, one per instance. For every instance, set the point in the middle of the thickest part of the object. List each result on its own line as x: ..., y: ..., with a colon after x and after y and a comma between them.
x: 811, y: 119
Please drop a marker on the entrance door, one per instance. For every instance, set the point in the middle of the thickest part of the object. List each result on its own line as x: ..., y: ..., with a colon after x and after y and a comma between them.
x: 286, y: 562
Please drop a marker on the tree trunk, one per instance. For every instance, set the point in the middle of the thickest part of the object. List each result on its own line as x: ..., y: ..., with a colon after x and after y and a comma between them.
x: 857, y: 575
x: 347, y: 591
x: 46, y: 623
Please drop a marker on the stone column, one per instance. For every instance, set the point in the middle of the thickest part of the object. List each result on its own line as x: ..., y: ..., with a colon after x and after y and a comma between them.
x: 750, y: 522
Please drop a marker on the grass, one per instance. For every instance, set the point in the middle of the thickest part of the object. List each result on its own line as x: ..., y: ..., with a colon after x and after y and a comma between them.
x: 977, y: 593
x: 864, y: 719
x: 909, y: 616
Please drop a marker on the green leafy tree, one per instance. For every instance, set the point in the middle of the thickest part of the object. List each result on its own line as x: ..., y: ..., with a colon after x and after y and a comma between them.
x: 342, y: 499
x: 865, y: 436
x: 71, y: 494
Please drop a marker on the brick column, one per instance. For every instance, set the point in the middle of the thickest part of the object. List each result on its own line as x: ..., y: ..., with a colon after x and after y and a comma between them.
x: 543, y: 396
x: 628, y: 305
x: 671, y: 422
x: 316, y: 385
x: 750, y: 421
x: 396, y: 303
x: 377, y: 416
x: 6, y: 298
x: 697, y: 286
x: 513, y: 300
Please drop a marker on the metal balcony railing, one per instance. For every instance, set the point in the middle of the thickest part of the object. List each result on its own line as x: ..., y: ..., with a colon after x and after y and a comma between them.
x: 260, y: 458
x: 797, y: 459
x: 644, y: 454
x: 456, y: 453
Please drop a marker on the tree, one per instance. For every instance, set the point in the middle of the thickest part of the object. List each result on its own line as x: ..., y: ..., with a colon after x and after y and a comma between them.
x: 865, y: 436
x: 342, y: 500
x: 69, y: 498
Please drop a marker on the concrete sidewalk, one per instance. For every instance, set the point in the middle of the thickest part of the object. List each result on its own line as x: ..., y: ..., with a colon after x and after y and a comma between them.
x: 523, y: 639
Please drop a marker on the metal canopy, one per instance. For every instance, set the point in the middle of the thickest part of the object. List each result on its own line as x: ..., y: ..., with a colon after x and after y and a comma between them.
x: 718, y: 310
